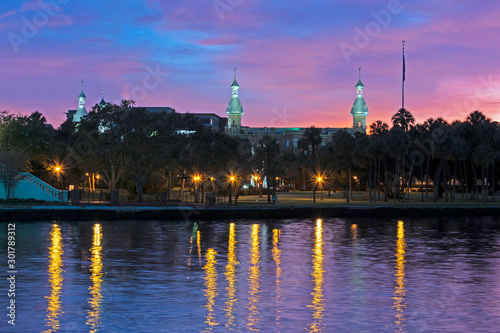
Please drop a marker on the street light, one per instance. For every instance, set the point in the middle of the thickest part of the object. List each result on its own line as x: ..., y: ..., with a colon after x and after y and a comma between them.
x: 196, y: 180
x: 319, y: 179
x: 100, y: 183
x: 355, y: 179
x: 231, y: 181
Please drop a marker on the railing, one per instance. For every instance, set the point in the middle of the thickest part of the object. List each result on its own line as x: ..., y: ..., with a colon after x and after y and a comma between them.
x: 40, y: 185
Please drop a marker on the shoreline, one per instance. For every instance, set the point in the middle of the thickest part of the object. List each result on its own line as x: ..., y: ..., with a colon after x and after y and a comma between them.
x: 171, y: 213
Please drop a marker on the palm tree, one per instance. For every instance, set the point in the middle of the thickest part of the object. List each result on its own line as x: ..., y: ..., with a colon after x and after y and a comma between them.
x: 344, y: 144
x: 312, y: 136
x: 404, y: 119
x: 398, y: 142
x: 379, y: 127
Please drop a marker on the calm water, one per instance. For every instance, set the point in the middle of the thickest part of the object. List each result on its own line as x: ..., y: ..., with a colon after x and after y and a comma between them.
x: 334, y: 275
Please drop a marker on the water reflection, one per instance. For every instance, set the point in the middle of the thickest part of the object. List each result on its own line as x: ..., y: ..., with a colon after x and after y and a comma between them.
x: 277, y: 261
x: 210, y: 289
x: 400, y: 290
x: 318, y: 301
x: 55, y: 271
x: 94, y: 312
x: 230, y: 274
x: 254, y: 280
x: 354, y: 231
x: 198, y: 244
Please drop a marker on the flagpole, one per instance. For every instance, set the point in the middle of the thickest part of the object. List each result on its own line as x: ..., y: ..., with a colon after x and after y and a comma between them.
x: 404, y: 72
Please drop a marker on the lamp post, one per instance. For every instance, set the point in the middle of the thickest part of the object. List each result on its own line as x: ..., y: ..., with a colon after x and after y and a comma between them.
x: 231, y: 181
x: 318, y: 182
x: 355, y: 179
x: 100, y: 183
x: 257, y: 184
x: 196, y: 180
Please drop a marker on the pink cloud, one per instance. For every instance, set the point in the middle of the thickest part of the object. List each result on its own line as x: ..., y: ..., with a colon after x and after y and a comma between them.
x: 12, y: 12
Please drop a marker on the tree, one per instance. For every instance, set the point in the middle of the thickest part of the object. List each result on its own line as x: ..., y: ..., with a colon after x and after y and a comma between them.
x: 343, y: 145
x: 11, y: 164
x: 267, y: 152
x: 149, y: 141
x: 398, y: 142
x: 312, y: 136
x: 404, y: 119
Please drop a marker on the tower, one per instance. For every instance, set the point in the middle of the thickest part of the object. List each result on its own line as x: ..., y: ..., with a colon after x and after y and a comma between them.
x: 359, y: 109
x: 234, y: 109
x: 102, y: 103
x: 81, y: 112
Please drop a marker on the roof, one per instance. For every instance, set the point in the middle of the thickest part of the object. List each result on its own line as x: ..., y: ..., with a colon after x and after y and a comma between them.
x: 360, y: 84
x: 359, y: 107
x: 235, y: 84
x: 234, y: 107
x: 82, y: 95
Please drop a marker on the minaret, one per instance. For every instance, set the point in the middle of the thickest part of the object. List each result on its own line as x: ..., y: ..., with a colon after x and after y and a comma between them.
x: 81, y: 112
x: 359, y: 109
x: 234, y: 109
x: 102, y: 103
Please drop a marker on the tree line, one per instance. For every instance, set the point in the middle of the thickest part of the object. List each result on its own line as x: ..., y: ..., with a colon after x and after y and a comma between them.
x: 141, y: 151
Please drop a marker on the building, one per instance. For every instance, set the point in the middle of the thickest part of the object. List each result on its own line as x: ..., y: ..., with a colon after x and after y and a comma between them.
x: 288, y: 137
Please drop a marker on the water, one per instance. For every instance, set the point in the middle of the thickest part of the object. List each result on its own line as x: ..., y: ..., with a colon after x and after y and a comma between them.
x: 334, y: 275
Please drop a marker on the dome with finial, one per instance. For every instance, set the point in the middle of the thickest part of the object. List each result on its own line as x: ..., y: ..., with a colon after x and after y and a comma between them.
x: 102, y: 103
x: 359, y: 107
x: 234, y: 107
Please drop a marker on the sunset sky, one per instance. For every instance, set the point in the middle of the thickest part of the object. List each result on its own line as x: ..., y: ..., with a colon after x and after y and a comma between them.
x: 294, y: 66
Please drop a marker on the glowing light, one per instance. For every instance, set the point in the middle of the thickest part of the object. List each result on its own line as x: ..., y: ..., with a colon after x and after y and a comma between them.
x: 318, y: 301
x: 232, y: 178
x: 55, y: 271
x: 198, y: 244
x: 254, y: 279
x: 230, y: 274
x: 210, y: 291
x: 319, y: 179
x: 94, y: 312
x: 58, y: 169
x: 277, y: 261
x: 98, y: 176
x: 399, y: 292
x: 354, y: 231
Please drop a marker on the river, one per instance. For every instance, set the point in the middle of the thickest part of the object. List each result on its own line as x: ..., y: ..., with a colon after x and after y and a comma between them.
x: 325, y: 275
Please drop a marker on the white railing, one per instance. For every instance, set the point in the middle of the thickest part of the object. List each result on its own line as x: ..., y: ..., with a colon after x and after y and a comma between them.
x: 31, y: 187
x: 38, y: 185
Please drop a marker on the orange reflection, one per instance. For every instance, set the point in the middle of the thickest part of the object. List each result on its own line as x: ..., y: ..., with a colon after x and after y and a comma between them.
x: 94, y: 313
x: 354, y: 231
x: 230, y: 273
x: 277, y: 261
x: 210, y: 288
x: 254, y: 280
x: 400, y: 290
x: 198, y: 244
x: 318, y: 301
x: 55, y: 279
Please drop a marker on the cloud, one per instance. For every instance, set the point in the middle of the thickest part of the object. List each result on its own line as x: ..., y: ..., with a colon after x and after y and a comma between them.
x: 12, y: 12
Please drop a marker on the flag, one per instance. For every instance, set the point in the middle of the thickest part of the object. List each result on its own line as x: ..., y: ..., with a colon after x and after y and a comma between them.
x: 404, y: 67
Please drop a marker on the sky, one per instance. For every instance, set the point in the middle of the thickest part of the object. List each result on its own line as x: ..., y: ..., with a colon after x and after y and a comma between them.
x: 297, y: 61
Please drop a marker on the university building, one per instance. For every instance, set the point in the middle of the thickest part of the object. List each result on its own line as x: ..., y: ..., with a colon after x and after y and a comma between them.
x: 287, y: 137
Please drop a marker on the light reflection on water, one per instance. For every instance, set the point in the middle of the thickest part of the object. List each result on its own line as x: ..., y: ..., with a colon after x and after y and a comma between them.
x: 400, y: 291
x: 55, y: 272
x: 254, y: 280
x: 361, y: 275
x: 94, y: 311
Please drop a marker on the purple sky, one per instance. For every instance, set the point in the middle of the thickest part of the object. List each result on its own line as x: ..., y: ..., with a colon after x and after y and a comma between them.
x: 293, y: 60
